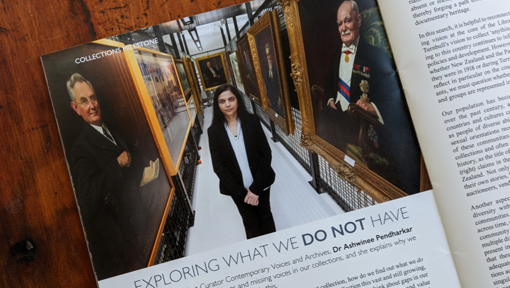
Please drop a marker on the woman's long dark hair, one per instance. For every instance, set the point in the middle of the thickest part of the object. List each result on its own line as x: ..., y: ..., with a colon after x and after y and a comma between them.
x: 218, y: 117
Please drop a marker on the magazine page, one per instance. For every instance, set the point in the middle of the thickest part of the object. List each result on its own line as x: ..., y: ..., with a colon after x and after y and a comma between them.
x: 396, y: 244
x: 454, y: 61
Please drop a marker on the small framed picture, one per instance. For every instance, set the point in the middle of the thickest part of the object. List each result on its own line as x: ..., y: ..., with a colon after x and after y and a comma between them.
x: 213, y: 71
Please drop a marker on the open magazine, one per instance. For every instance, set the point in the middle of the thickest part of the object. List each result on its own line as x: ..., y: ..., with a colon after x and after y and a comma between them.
x: 453, y: 61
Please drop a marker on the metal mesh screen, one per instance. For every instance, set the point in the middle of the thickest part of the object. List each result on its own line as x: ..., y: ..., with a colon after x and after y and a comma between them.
x: 188, y: 165
x: 292, y: 142
x: 180, y: 215
x: 173, y: 238
x: 346, y: 195
x: 196, y: 130
x: 262, y: 115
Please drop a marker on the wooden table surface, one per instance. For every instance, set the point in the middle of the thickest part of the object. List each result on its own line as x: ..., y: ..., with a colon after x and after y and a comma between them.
x: 41, y: 240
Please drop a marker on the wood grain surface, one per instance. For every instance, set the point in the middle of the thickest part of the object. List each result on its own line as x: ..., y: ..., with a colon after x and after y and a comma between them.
x: 41, y: 240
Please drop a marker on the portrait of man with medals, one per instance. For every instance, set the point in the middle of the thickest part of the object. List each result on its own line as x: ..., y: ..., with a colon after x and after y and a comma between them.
x: 364, y: 113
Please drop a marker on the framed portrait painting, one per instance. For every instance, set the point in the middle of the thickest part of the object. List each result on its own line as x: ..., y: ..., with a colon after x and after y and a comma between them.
x: 351, y: 100
x: 265, y: 45
x: 247, y: 69
x: 121, y: 176
x: 162, y: 87
x: 235, y: 70
x: 213, y: 71
x: 191, y: 72
x: 181, y: 71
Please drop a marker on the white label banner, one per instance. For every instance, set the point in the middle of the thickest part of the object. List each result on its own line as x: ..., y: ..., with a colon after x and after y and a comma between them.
x: 396, y: 244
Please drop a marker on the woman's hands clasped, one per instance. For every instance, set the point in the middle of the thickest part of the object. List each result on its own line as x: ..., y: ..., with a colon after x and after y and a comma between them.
x: 251, y: 198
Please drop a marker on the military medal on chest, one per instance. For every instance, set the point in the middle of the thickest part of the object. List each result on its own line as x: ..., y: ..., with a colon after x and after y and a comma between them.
x: 347, y: 56
x: 364, y: 87
x: 361, y: 70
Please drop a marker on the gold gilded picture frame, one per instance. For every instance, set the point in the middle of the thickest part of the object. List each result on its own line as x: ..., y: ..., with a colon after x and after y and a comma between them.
x: 191, y: 72
x: 236, y: 72
x: 183, y: 78
x: 248, y: 75
x: 172, y: 147
x: 211, y: 80
x: 309, y: 24
x: 265, y: 45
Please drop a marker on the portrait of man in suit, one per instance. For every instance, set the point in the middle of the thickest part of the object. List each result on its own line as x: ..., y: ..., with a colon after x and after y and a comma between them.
x: 251, y: 84
x: 271, y: 79
x: 364, y: 106
x: 106, y: 171
x: 213, y: 77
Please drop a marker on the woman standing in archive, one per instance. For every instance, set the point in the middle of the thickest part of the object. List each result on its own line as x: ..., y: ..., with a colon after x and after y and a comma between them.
x: 241, y: 159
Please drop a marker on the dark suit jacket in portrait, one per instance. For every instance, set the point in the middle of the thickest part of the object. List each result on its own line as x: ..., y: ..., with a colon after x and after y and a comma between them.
x: 211, y: 81
x: 273, y: 88
x: 225, y: 163
x: 396, y: 141
x: 109, y: 199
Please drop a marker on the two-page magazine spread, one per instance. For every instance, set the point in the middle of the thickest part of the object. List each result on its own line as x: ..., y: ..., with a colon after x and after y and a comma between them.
x: 225, y: 149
